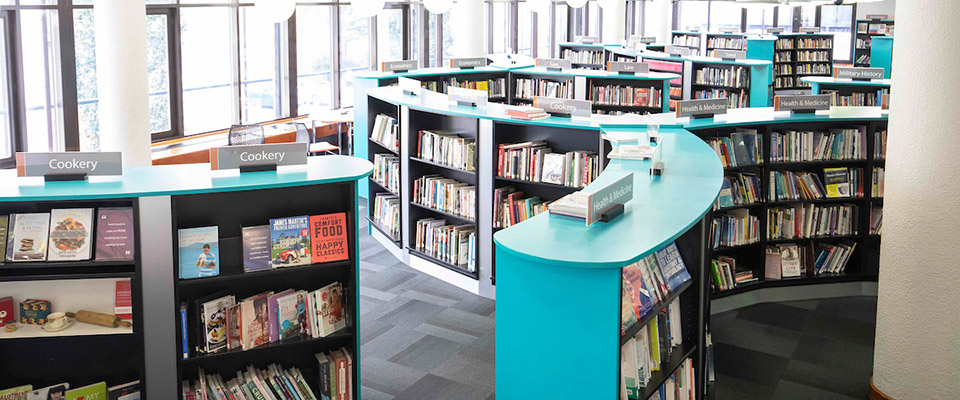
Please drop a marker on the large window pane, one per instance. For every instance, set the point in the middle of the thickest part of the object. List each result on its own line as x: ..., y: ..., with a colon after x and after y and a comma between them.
x: 87, y: 103
x: 6, y: 125
x: 593, y: 14
x: 208, y: 93
x: 447, y: 37
x: 431, y: 39
x: 693, y: 14
x: 390, y: 34
x: 354, y: 51
x: 808, y: 16
x: 500, y: 27
x: 543, y: 34
x: 560, y: 27
x: 759, y: 18
x: 260, y: 68
x: 158, y: 73
x: 524, y: 29
x: 41, y: 78
x: 838, y: 20
x: 785, y: 18
x: 314, y: 69
x: 725, y: 14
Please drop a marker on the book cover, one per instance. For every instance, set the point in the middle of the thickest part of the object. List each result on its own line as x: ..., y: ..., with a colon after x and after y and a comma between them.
x: 97, y: 391
x: 28, y: 241
x: 331, y: 309
x: 640, y: 299
x: 726, y: 194
x: 234, y: 335
x: 292, y: 315
x: 790, y: 261
x: 324, y: 368
x: 71, y: 232
x: 340, y: 372
x: 553, y: 168
x: 123, y: 300
x: 199, y: 252
x: 671, y: 263
x: 273, y: 317
x: 126, y: 391
x: 184, y: 343
x: 253, y: 321
x: 290, y: 241
x: 16, y: 393
x: 58, y: 391
x: 837, y: 182
x: 214, y: 318
x: 115, y: 234
x: 772, y: 269
x: 256, y: 248
x: 7, y: 313
x: 348, y: 373
x: 4, y: 220
x: 328, y: 237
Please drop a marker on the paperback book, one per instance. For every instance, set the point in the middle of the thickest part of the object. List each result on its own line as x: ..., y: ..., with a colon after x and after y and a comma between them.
x: 213, y: 319
x: 199, y: 252
x: 674, y: 271
x: 16, y: 393
x: 253, y: 321
x: 332, y: 315
x: 4, y: 220
x: 273, y: 316
x: 71, y: 233
x: 123, y: 300
x: 233, y: 327
x: 292, y: 315
x: 114, y: 238
x: 328, y: 237
x: 290, y: 241
x: 50, y: 392
x: 97, y: 391
x: 256, y: 248
x: 28, y: 239
x: 126, y: 391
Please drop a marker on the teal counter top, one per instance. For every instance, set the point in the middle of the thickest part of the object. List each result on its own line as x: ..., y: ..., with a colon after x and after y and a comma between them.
x: 428, y: 72
x: 760, y: 116
x: 744, y: 62
x: 661, y: 210
x: 182, y: 179
x: 590, y: 73
x: 829, y: 80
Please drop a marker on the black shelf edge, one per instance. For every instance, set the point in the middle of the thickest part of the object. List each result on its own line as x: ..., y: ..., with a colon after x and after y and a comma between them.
x: 445, y: 166
x: 644, y: 108
x: 383, y: 146
x: 65, y: 264
x: 797, y: 281
x: 32, y: 275
x: 384, y: 187
x: 729, y: 248
x: 794, y: 164
x: 742, y: 168
x: 444, y: 213
x: 816, y: 201
x: 454, y: 268
x: 656, y: 310
x: 667, y: 367
x: 262, y: 274
x: 734, y: 207
x: 815, y: 238
x: 344, y: 333
x: 553, y: 185
x: 718, y: 86
x: 383, y: 231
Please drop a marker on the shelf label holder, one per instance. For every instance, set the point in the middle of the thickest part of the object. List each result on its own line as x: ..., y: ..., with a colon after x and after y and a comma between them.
x: 628, y: 68
x: 589, y: 39
x: 606, y: 203
x: 468, y: 63
x: 409, y: 86
x: 467, y: 97
x: 810, y: 29
x: 69, y: 166
x: 730, y: 55
x: 858, y: 73
x: 564, y: 108
x: 775, y: 30
x: 677, y: 50
x: 399, y: 66
x: 801, y: 104
x: 554, y: 64
x: 704, y: 108
x: 258, y: 157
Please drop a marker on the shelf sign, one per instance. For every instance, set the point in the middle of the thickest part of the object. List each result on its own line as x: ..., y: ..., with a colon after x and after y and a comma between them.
x: 468, y: 63
x: 467, y: 97
x: 69, y: 166
x: 729, y: 29
x: 858, y: 73
x: 877, y: 16
x: 589, y: 39
x: 677, y: 50
x: 409, y: 86
x: 775, y: 30
x: 556, y: 64
x: 701, y: 108
x: 564, y: 107
x: 628, y: 68
x: 258, y: 157
x: 730, y: 54
x: 810, y: 29
x: 694, y: 29
x: 801, y: 103
x: 399, y: 66
x: 648, y: 39
x: 607, y: 202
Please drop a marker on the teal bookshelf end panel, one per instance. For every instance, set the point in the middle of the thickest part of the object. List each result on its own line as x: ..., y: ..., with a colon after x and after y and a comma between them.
x: 761, y: 48
x: 881, y: 54
x: 761, y: 77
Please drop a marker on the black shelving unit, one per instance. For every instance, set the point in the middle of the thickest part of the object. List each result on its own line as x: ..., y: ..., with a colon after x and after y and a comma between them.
x: 520, y: 74
x: 593, y: 82
x: 230, y: 212
x: 567, y: 51
x: 697, y: 86
x: 791, y: 45
x: 438, y: 83
x: 376, y: 107
x: 725, y: 41
x: 866, y: 30
x: 681, y: 39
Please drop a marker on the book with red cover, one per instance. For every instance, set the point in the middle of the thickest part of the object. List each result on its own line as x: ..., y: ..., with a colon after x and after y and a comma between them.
x: 7, y: 315
x: 639, y: 297
x: 328, y: 237
x: 349, y: 373
x: 123, y: 303
x: 342, y: 373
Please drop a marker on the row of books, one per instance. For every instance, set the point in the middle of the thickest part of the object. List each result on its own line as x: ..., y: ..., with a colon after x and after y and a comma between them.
x: 667, y: 66
x: 734, y: 99
x: 643, y: 354
x: 809, y: 220
x: 838, y: 144
x: 67, y: 234
x: 447, y: 195
x: 495, y: 87
x: 536, y: 162
x: 740, y: 149
x: 863, y: 44
x: 528, y: 88
x: 794, y: 260
x: 783, y: 56
x: 876, y: 220
x: 802, y: 84
x: 582, y: 56
x: 814, y: 69
x: 863, y: 59
x: 648, y: 283
x: 676, y: 91
x: 225, y: 324
x: 686, y: 40
x: 276, y: 383
x: 813, y: 55
x: 62, y: 391
x: 725, y: 43
x: 876, y: 189
x: 783, y: 82
x: 783, y: 69
x: 386, y: 171
x: 840, y: 183
x: 453, y: 244
x: 881, y: 28
x: 814, y: 43
x: 447, y: 148
x: 386, y: 214
x: 386, y: 132
x: 727, y: 276
x: 285, y: 242
x: 733, y: 76
x: 739, y: 190
x: 510, y: 207
x: 784, y: 44
x: 616, y: 95
x: 734, y: 228
x: 874, y: 99
x: 880, y: 145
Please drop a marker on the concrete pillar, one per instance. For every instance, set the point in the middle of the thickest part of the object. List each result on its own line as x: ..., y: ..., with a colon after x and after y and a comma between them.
x: 124, y: 105
x: 658, y: 20
x: 614, y: 22
x: 468, y: 29
x: 917, y: 349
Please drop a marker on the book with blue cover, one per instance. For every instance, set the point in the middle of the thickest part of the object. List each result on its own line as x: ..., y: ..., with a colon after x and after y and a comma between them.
x: 290, y: 241
x: 199, y: 252
x: 672, y: 266
x: 726, y: 194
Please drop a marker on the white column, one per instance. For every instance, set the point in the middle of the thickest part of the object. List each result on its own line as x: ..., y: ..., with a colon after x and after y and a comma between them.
x: 468, y: 29
x: 917, y: 349
x: 658, y: 19
x: 124, y: 106
x: 614, y: 22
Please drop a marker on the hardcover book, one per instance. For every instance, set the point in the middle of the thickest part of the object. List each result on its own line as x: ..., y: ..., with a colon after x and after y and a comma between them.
x: 273, y: 316
x: 199, y: 252
x: 71, y: 232
x: 127, y: 391
x: 331, y: 310
x: 114, y: 234
x: 324, y: 367
x: 256, y: 248
x: 97, y: 391
x: 290, y: 241
x: 328, y: 237
x: 28, y: 241
x: 674, y: 271
x: 726, y: 195
x: 292, y: 315
x: 234, y: 335
x: 553, y: 168
x: 640, y: 299
x: 790, y: 261
x: 50, y: 392
x: 123, y: 300
x: 213, y: 316
x: 253, y: 320
x: 17, y: 393
x: 627, y: 316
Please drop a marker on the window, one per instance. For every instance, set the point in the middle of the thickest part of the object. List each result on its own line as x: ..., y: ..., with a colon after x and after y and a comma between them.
x: 592, y: 19
x: 6, y: 122
x: 525, y: 29
x: 561, y: 13
x: 808, y: 16
x: 759, y: 18
x: 314, y: 67
x: 785, y: 18
x: 390, y: 34
x: 87, y: 102
x: 725, y: 14
x: 261, y: 68
x: 838, y: 20
x: 543, y: 33
x: 208, y: 90
x: 158, y: 73
x: 354, y: 51
x: 40, y: 41
x: 447, y: 36
x: 499, y: 27
x: 693, y: 14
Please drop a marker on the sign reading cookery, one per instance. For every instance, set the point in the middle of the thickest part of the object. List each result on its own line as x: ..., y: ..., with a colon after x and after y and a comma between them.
x: 701, y: 108
x: 801, y: 103
x: 563, y: 107
x: 69, y: 165
x: 258, y: 157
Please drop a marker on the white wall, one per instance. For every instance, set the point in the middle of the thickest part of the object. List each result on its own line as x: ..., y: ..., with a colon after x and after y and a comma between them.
x: 917, y: 354
x: 880, y: 7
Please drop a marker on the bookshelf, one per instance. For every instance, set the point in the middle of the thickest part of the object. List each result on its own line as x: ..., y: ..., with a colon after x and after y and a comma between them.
x: 375, y: 187
x: 801, y: 54
x: 670, y: 64
x: 690, y: 40
x: 848, y: 92
x: 867, y: 29
x: 724, y: 41
x: 744, y: 82
x: 579, y: 271
x: 588, y: 56
x: 585, y: 85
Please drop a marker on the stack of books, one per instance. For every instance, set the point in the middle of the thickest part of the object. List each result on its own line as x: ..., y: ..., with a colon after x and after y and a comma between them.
x: 736, y: 228
x: 809, y: 220
x: 386, y: 132
x: 535, y: 162
x: 452, y: 244
x: 526, y: 113
x: 839, y: 144
x: 510, y: 207
x: 447, y: 195
x: 571, y: 205
x: 447, y: 148
x: 727, y: 276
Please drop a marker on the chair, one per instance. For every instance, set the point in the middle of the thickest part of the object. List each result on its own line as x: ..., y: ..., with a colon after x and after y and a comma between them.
x: 246, y: 134
x: 303, y: 135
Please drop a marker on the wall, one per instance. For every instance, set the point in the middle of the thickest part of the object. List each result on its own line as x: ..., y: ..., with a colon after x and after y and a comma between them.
x: 880, y: 7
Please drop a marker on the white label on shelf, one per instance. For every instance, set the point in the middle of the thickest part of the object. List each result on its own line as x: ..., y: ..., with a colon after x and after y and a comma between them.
x: 410, y: 86
x: 258, y: 155
x: 691, y: 108
x: 472, y: 62
x: 729, y: 29
x: 775, y: 30
x: 631, y: 67
x: 858, y: 73
x: 801, y: 102
x: 400, y: 66
x: 69, y: 163
x: 574, y: 108
x: 878, y: 16
x: 553, y: 63
x: 648, y: 39
x: 730, y: 54
x: 462, y: 95
x: 854, y: 112
x: 810, y: 29
x: 677, y: 50
x: 589, y: 39
x: 618, y: 192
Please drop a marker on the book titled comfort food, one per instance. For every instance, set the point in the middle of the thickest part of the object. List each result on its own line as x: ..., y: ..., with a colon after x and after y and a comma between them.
x: 71, y: 232
x: 328, y: 237
x: 28, y: 241
x: 290, y: 241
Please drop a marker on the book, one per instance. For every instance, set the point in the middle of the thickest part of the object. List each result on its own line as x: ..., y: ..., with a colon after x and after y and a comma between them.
x: 340, y: 368
x: 7, y: 313
x: 126, y: 391
x: 16, y: 393
x: 58, y: 391
x: 290, y: 241
x: 256, y: 248
x: 199, y: 250
x: 634, y: 288
x: 332, y: 314
x: 234, y: 335
x: 671, y: 264
x: 836, y: 182
x: 27, y: 240
x: 213, y: 318
x: 772, y: 268
x: 4, y: 220
x: 184, y: 342
x: 554, y: 164
x: 292, y: 315
x: 254, y: 319
x: 123, y: 300
x: 71, y: 233
x: 96, y: 391
x: 273, y: 317
x: 324, y: 366
x: 725, y: 198
x: 328, y: 237
x: 790, y: 261
x: 115, y: 234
